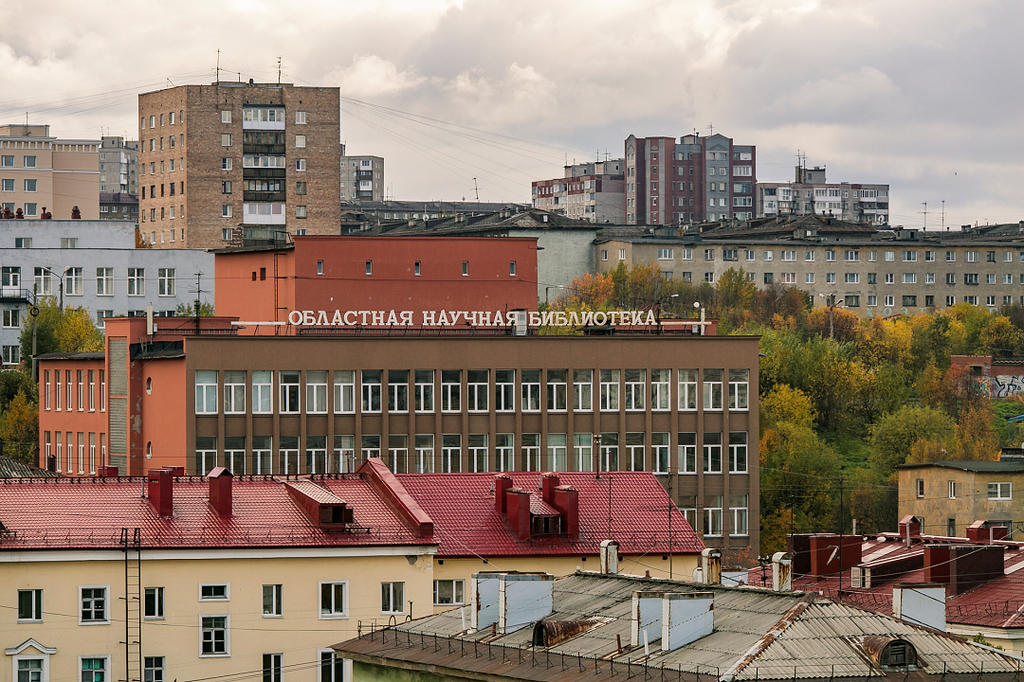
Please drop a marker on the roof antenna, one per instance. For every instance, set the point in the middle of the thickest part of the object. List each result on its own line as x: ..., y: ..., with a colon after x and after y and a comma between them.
x: 278, y: 70
x: 218, y: 66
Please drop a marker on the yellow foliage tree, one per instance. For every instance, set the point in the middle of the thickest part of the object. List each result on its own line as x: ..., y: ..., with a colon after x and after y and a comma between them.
x: 19, y: 428
x: 76, y: 333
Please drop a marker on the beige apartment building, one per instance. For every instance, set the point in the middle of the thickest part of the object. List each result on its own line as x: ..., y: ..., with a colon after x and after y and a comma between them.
x: 362, y: 178
x: 947, y: 497
x: 869, y: 271
x: 39, y: 172
x: 227, y: 161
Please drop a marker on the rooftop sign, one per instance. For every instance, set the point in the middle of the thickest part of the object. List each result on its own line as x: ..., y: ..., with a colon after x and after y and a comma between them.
x: 472, y: 318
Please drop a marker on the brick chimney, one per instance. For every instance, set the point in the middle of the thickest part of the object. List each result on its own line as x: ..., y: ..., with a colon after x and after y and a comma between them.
x: 502, y: 483
x: 548, y: 483
x: 518, y: 514
x: 962, y: 567
x: 985, y: 534
x: 107, y: 472
x: 910, y: 527
x: 161, y: 491
x: 220, y: 491
x: 567, y: 501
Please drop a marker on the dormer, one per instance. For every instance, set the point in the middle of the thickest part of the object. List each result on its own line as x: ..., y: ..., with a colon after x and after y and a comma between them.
x: 322, y: 507
x: 553, y: 513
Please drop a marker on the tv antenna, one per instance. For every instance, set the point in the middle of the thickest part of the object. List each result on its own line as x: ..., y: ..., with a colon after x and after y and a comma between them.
x: 925, y: 212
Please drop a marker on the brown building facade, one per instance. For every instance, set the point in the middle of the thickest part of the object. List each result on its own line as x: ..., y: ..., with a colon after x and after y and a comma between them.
x: 322, y: 400
x: 222, y: 162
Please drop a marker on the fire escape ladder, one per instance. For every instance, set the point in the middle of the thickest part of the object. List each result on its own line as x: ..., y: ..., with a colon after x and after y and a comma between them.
x: 131, y: 543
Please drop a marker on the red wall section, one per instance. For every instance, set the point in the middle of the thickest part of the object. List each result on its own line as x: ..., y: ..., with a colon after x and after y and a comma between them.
x: 392, y: 284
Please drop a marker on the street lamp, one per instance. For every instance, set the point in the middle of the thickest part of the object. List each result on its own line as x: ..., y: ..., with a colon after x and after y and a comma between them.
x: 830, y: 301
x: 61, y: 285
x: 696, y: 304
x: 549, y: 288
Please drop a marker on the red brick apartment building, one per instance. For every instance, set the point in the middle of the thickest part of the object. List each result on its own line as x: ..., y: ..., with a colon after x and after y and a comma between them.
x: 316, y: 400
x: 353, y: 273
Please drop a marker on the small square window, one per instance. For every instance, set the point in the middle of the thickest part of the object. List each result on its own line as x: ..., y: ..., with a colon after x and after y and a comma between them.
x: 300, y: 212
x: 300, y: 117
x: 225, y: 211
x: 225, y: 116
x: 300, y: 141
x: 225, y: 140
x: 225, y: 163
x: 225, y: 234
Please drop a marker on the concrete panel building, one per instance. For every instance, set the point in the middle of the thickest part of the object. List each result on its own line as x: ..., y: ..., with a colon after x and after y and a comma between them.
x: 811, y: 193
x: 119, y: 165
x: 362, y: 178
x: 225, y: 162
x: 694, y: 179
x: 870, y: 271
x: 91, y: 264
x: 39, y: 172
x: 591, y: 192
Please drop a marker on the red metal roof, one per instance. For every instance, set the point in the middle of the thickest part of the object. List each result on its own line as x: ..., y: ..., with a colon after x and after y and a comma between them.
x: 89, y: 513
x: 466, y: 523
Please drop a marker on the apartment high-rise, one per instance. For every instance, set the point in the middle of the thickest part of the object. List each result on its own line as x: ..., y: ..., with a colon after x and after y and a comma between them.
x: 589, y: 191
x: 230, y: 161
x: 42, y: 173
x: 692, y: 180
x: 119, y: 161
x: 362, y: 178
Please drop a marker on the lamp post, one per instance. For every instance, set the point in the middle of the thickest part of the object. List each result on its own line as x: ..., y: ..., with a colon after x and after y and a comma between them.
x: 549, y: 288
x: 697, y: 305
x: 830, y: 301
x: 60, y: 277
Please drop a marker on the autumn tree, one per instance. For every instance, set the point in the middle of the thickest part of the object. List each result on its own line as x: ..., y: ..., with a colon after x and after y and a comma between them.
x: 19, y: 429
x: 75, y: 332
x: 189, y: 309
x: 893, y: 436
x: 840, y: 324
x: 1000, y: 338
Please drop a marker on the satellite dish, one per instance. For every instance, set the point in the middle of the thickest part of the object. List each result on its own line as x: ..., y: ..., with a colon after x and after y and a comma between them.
x: 833, y: 555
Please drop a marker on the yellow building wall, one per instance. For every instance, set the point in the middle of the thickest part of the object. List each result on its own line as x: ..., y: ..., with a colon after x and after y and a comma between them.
x: 297, y: 634
x: 464, y: 569
x: 76, y: 182
x: 970, y: 504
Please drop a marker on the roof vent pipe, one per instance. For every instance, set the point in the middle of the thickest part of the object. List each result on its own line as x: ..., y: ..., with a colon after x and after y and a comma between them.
x: 711, y: 566
x: 782, y: 572
x: 609, y: 557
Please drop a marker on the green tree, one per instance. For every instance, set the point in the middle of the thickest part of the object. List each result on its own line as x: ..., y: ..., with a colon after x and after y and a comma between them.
x: 19, y: 429
x: 46, y: 318
x: 189, y: 310
x: 893, y: 436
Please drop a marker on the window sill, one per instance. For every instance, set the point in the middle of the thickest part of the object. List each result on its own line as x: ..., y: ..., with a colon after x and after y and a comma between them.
x: 214, y: 655
x: 273, y: 615
x: 333, y: 616
x: 94, y: 622
x: 29, y: 620
x: 153, y: 618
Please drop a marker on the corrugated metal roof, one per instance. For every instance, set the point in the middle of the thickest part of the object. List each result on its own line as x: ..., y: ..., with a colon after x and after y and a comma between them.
x: 757, y: 635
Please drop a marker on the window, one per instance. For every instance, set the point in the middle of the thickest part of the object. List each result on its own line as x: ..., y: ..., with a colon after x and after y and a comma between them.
x: 289, y: 384
x: 300, y: 164
x: 738, y: 512
x: 332, y: 666
x: 465, y: 268
x: 300, y: 212
x: 712, y: 452
x: 970, y: 278
x: 951, y: 489
x: 29, y: 162
x: 531, y: 390
x: 300, y: 188
x: 416, y: 269
x: 214, y: 635
x: 392, y: 598
x: 94, y: 669
x: 636, y: 380
x: 424, y: 390
x: 713, y: 389
x: 713, y: 515
x: 609, y: 390
x: 687, y: 451
x: 225, y: 163
x: 104, y: 281
x: 889, y: 301
x: 851, y: 278
x: 225, y: 116
x: 738, y: 388
x: 12, y: 318
x: 30, y: 605
x: 738, y: 452
x: 451, y: 453
x: 687, y: 389
x: 153, y: 603
x: 910, y: 256
x: 271, y: 601
x: 300, y: 118
x: 7, y: 161
x: 1000, y: 491
x: 30, y: 185
x: 661, y: 380
x: 557, y: 386
x: 225, y: 140
x: 950, y: 278
x: 449, y: 592
x: 262, y: 392
x: 153, y: 669
x: 165, y: 281
x: 136, y: 281
x: 890, y: 278
x: 398, y: 390
x: 890, y: 256
x: 206, y: 391
x: 272, y: 667
x: 951, y: 256
x: 93, y: 600
x: 23, y: 242
x: 213, y: 592
x: 369, y: 268
x: 911, y: 301
x: 919, y: 487
x: 7, y: 185
x: 300, y: 141
x: 316, y: 391
x: 582, y: 390
x: 971, y: 256
x: 451, y: 390
x: 556, y: 452
x: 43, y: 282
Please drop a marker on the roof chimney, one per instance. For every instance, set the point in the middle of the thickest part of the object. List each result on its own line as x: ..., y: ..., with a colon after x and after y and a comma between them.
x: 220, y: 491
x: 609, y: 557
x: 567, y: 501
x: 548, y: 483
x: 985, y: 534
x: 782, y: 572
x: 502, y: 483
x: 962, y: 567
x: 711, y: 566
x: 523, y: 598
x: 107, y: 472
x: 161, y: 491
x: 920, y: 604
x: 518, y: 512
x: 910, y: 527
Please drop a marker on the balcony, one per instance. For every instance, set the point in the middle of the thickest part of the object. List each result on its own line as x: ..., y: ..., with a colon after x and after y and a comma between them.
x: 15, y: 293
x: 263, y: 196
x: 263, y: 149
x: 263, y: 173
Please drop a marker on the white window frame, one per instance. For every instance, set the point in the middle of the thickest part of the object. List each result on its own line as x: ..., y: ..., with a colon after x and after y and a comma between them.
x: 227, y: 592
x: 461, y: 584
x: 1001, y: 486
x: 391, y: 597
x: 227, y: 635
x: 106, y: 605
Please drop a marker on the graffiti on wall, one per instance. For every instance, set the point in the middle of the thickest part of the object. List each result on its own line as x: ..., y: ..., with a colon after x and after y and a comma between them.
x: 1006, y: 386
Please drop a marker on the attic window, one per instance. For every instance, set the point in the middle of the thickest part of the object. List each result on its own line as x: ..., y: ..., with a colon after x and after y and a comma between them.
x: 899, y: 654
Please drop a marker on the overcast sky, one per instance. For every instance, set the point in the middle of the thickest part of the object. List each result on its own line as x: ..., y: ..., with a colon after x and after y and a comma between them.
x: 924, y: 95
